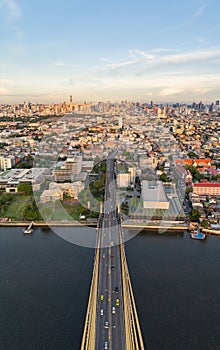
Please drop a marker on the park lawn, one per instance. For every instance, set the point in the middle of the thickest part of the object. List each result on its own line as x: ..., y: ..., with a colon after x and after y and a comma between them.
x: 73, y: 210
x: 15, y: 209
x: 54, y: 212
x: 60, y: 214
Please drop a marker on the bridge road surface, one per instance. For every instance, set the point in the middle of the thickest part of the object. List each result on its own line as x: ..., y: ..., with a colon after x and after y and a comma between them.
x: 110, y: 276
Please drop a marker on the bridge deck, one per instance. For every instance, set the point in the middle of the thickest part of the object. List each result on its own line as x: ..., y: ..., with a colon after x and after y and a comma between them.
x: 111, y: 319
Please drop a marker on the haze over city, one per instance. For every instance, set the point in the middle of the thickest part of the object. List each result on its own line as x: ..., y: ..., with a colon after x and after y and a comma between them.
x: 142, y: 50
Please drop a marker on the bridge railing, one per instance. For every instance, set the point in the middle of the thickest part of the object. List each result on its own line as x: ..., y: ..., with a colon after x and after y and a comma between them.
x: 134, y: 339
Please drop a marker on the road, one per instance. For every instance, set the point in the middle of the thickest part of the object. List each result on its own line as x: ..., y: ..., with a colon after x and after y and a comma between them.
x: 110, y: 329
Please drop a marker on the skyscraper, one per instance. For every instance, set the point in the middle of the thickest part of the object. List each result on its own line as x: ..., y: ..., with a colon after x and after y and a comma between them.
x: 71, y: 103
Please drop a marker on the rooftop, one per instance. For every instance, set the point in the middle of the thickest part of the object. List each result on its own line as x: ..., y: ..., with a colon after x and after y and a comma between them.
x: 153, y: 194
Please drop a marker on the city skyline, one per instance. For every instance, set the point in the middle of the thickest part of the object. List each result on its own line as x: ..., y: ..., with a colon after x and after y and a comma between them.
x: 122, y: 50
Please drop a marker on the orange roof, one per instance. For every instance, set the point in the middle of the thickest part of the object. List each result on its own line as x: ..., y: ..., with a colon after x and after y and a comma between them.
x: 209, y: 184
x: 202, y: 161
x: 185, y: 161
x: 205, y: 161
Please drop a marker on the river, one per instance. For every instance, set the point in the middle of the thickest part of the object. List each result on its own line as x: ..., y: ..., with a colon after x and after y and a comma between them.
x: 45, y: 285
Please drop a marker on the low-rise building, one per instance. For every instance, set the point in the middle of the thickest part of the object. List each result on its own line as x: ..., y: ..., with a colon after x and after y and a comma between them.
x: 10, y: 180
x: 51, y: 196
x: 69, y: 189
x: 124, y: 180
x: 206, y: 189
x: 153, y: 195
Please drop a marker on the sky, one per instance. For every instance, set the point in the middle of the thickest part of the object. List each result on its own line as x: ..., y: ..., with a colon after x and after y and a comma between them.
x: 142, y: 50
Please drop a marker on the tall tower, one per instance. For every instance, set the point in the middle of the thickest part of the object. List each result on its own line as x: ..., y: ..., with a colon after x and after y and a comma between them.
x: 71, y: 103
x: 120, y: 122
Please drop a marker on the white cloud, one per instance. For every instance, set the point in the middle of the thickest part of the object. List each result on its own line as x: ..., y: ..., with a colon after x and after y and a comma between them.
x: 13, y: 9
x: 193, y: 56
x: 60, y: 64
x: 199, y: 39
x: 6, y: 86
x: 169, y: 91
x: 115, y: 65
x: 200, y: 10
x: 143, y: 60
x: 104, y: 59
x: 202, y: 91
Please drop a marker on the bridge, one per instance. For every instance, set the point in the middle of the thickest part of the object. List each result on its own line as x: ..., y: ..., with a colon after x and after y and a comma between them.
x: 111, y: 318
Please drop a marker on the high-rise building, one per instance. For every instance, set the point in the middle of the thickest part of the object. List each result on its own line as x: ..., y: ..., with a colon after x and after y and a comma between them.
x: 71, y: 103
x: 120, y: 122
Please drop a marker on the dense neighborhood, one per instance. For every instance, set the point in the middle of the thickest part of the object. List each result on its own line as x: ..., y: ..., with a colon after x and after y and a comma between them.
x: 168, y: 163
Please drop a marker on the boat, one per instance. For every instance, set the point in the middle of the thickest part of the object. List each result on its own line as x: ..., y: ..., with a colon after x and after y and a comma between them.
x: 29, y: 229
x: 197, y: 234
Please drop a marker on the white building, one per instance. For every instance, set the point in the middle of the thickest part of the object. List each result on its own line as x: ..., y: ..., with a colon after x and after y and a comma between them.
x: 124, y: 180
x: 70, y: 189
x: 7, y: 162
x: 51, y: 196
x: 74, y: 165
x: 120, y: 122
x: 10, y: 180
x: 133, y: 173
x: 153, y: 195
x: 147, y: 162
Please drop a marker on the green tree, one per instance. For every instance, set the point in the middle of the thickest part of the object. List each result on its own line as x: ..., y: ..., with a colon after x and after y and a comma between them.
x: 6, y: 198
x: 164, y: 178
x: 205, y: 223
x: 29, y: 213
x: 191, y: 154
x: 194, y: 215
x: 188, y: 190
x: 195, y: 172
x: 25, y: 189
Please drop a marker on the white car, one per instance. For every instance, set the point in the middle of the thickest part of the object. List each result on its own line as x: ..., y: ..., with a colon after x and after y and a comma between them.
x: 106, y: 324
x: 101, y: 312
x: 113, y: 309
x: 106, y: 345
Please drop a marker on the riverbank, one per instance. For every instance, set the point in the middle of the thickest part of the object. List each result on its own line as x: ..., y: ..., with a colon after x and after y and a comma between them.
x: 155, y: 227
x: 130, y: 226
x: 211, y: 232
x: 47, y: 224
x: 204, y: 230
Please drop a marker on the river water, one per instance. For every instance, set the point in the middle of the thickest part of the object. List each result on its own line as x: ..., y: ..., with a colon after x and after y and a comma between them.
x: 45, y: 284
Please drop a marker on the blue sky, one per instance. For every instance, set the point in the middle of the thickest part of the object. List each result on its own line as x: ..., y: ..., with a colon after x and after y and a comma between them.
x: 143, y: 50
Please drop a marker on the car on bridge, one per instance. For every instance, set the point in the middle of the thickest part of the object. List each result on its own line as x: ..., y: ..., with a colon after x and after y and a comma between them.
x: 106, y: 345
x: 113, y: 309
x: 102, y: 297
x: 106, y: 324
x: 117, y: 302
x: 101, y: 312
